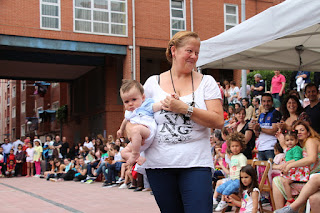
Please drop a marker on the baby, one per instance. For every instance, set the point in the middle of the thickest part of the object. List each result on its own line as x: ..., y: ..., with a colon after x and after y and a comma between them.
x: 141, y: 126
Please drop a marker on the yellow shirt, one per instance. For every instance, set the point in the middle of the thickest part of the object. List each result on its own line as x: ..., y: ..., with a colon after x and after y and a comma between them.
x: 37, y: 153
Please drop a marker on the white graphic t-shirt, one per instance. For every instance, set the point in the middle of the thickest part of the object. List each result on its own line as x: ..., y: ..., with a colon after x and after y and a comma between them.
x: 179, y: 141
x: 247, y: 202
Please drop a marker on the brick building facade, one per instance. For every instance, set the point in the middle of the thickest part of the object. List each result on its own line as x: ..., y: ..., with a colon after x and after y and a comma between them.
x: 93, y: 44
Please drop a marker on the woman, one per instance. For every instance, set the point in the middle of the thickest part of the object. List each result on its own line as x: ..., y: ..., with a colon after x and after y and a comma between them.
x: 110, y: 139
x: 310, y: 142
x: 278, y: 83
x: 249, y: 109
x: 179, y: 161
x: 292, y: 111
x: 243, y: 126
x: 233, y: 93
x: 226, y: 87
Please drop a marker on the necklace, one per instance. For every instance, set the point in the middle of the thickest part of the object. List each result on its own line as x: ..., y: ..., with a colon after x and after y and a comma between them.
x: 174, y: 89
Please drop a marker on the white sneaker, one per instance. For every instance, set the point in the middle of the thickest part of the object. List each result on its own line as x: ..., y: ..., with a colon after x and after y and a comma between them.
x: 221, y: 206
x: 123, y: 186
x: 120, y: 180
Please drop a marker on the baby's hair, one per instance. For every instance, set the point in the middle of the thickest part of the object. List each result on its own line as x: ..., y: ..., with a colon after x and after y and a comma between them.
x: 11, y: 161
x: 278, y: 147
x: 236, y: 136
x: 128, y: 84
x: 248, y: 169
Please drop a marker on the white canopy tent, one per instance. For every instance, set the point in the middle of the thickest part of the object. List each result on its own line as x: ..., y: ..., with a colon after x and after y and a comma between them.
x: 284, y: 37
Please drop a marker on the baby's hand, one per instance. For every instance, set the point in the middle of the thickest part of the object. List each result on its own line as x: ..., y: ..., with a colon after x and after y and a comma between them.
x: 175, y: 96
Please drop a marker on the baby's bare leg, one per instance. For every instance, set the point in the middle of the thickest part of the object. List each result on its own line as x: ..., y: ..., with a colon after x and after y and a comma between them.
x: 126, y: 152
x: 138, y: 133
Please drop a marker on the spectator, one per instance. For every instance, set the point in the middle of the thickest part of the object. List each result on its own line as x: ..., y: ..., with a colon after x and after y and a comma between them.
x: 81, y: 170
x: 266, y: 128
x: 242, y: 126
x: 221, y: 91
x: 57, y: 147
x: 74, y: 151
x: 11, y: 157
x: 10, y: 169
x: 37, y: 156
x: 49, y: 146
x: 20, y: 159
x: 313, y: 110
x: 87, y: 143
x: 259, y: 87
x: 168, y: 165
x: 7, y: 146
x: 115, y: 166
x: 16, y: 144
x: 292, y: 111
x: 69, y: 171
x: 278, y: 160
x: 233, y: 93
x: 29, y: 160
x: 226, y: 92
x: 110, y: 139
x: 310, y: 143
x: 247, y: 95
x: 257, y: 108
x: 302, y: 79
x: 236, y: 143
x: 278, y: 83
x: 64, y: 150
x: 58, y: 171
x: 249, y: 109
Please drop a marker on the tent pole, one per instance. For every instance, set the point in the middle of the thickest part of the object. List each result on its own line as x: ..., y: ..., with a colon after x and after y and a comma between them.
x: 243, y: 72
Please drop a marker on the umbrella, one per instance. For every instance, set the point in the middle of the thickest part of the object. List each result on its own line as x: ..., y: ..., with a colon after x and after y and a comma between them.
x: 283, y: 37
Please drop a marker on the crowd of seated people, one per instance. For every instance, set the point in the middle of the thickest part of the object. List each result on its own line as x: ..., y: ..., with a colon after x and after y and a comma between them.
x: 90, y: 161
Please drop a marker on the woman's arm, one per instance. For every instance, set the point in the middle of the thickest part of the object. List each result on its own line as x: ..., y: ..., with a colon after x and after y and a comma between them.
x: 312, y: 151
x: 212, y: 117
x: 282, y: 88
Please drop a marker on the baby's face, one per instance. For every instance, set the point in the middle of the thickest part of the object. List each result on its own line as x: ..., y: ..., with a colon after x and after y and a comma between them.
x: 132, y: 99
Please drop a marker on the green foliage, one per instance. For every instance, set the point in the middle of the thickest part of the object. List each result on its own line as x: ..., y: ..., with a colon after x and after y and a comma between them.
x: 62, y: 114
x: 267, y: 76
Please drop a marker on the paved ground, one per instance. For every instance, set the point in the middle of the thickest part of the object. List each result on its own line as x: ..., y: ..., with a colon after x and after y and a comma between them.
x: 38, y: 195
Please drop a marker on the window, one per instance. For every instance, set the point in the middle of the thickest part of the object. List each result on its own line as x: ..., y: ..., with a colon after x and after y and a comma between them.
x: 55, y: 105
x: 231, y: 18
x: 13, y: 113
x: 178, y: 17
x: 23, y: 85
x: 23, y: 130
x: 13, y: 91
x: 50, y: 14
x: 107, y: 17
x: 23, y: 107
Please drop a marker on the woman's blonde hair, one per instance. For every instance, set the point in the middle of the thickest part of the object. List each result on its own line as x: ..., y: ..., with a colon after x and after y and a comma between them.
x: 313, y: 133
x: 178, y: 40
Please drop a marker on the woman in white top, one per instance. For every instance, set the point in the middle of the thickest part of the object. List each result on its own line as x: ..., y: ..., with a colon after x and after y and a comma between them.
x: 179, y: 161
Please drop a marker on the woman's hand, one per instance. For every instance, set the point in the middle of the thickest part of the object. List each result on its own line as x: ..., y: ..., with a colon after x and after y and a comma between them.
x: 286, y: 169
x: 171, y: 104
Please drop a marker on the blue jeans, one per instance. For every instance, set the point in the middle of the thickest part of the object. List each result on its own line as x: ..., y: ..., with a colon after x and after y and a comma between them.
x: 102, y: 168
x: 229, y: 187
x: 265, y: 155
x: 112, y: 170
x: 90, y: 166
x: 185, y: 190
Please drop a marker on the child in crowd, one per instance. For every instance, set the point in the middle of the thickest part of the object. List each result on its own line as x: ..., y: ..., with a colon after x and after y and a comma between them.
x: 249, y: 191
x: 115, y: 165
x: 139, y: 118
x: 218, y: 155
x: 37, y: 156
x: 278, y: 160
x: 293, y: 153
x: 236, y: 106
x: 11, y: 157
x: 20, y: 158
x: 29, y: 159
x: 236, y: 143
x: 10, y: 168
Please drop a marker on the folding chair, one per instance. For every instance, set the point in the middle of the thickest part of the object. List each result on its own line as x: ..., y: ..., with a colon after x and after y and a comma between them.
x: 262, y: 186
